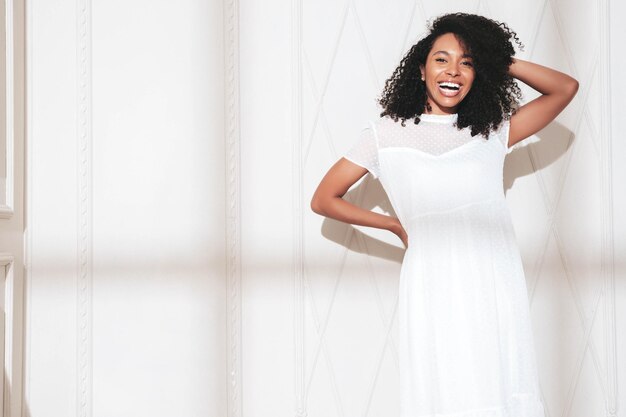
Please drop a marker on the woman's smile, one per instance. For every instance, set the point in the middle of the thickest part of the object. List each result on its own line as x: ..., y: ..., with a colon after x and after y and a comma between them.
x: 449, y: 89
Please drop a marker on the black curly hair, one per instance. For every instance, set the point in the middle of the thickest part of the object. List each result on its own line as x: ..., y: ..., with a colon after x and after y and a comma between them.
x: 494, y: 93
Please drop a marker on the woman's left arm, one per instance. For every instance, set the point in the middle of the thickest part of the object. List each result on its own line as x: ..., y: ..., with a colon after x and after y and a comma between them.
x: 557, y: 90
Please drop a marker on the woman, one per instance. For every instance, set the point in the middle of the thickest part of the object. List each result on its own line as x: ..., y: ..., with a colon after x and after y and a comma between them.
x: 466, y: 346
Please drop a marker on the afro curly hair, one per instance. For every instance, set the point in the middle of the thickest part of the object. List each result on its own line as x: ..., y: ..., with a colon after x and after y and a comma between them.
x: 494, y: 93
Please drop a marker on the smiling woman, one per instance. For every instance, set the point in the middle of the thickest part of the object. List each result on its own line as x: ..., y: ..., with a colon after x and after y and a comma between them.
x: 448, y: 75
x: 466, y: 346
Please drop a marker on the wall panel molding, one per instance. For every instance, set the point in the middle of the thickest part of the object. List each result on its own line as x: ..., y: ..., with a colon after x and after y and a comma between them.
x: 233, y: 209
x: 7, y: 202
x: 608, y: 239
x: 10, y: 322
x: 7, y: 332
x: 84, y: 295
x: 123, y: 125
x: 28, y: 212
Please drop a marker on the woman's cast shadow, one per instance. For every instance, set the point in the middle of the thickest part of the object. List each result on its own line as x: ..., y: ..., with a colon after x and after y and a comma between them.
x: 367, y: 194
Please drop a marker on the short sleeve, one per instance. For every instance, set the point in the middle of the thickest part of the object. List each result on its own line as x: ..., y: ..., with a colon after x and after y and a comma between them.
x: 504, y: 138
x: 365, y: 151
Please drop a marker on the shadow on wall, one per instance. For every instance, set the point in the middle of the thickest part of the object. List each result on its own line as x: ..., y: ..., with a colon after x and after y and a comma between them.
x: 555, y: 140
x: 367, y: 194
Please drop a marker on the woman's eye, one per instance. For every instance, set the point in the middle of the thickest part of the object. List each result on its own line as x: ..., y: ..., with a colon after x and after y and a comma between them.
x: 468, y: 63
x: 439, y: 59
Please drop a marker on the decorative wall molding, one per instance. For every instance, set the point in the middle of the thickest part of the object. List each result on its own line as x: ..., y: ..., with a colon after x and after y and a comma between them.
x: 85, y: 237
x: 233, y: 208
x: 28, y: 212
x: 6, y: 202
x: 608, y: 246
x: 6, y: 264
x: 10, y: 335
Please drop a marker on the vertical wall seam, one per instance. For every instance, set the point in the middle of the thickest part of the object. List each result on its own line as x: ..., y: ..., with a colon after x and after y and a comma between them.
x: 28, y: 208
x: 85, y: 238
x: 233, y: 209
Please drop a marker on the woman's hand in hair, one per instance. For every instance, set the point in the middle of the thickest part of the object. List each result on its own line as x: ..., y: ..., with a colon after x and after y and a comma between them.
x: 557, y: 90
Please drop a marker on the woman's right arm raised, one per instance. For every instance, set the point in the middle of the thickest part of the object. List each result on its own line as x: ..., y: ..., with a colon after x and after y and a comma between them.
x: 328, y: 200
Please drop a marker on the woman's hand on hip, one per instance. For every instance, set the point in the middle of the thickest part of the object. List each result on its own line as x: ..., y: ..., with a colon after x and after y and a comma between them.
x: 397, y: 228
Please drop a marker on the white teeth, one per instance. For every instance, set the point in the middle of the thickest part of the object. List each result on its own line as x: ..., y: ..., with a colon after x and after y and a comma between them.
x: 450, y: 84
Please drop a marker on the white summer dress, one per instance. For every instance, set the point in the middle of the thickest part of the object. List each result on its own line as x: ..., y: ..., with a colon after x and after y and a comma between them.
x: 465, y: 338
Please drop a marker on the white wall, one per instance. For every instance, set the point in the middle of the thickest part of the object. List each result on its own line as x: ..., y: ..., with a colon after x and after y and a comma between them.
x: 617, y: 201
x: 126, y: 292
x: 310, y: 72
x: 176, y: 269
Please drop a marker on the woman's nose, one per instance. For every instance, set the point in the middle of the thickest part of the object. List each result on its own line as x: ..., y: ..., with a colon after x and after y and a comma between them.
x: 453, y: 70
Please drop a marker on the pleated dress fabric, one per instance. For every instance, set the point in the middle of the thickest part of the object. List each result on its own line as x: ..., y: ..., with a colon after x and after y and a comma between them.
x: 466, y: 346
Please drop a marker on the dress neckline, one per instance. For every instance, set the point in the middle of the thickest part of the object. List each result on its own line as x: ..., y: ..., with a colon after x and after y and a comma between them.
x: 439, y: 118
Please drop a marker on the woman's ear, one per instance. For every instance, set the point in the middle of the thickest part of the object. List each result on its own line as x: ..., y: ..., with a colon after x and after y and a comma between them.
x: 422, y: 71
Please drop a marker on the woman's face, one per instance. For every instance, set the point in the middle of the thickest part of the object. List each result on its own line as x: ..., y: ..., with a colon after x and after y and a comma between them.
x: 447, y: 63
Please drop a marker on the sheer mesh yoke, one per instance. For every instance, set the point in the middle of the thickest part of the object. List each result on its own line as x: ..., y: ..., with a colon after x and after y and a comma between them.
x: 434, y: 135
x: 428, y: 136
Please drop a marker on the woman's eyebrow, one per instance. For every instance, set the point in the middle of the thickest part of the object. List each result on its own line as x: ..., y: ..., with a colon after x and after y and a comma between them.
x: 446, y: 53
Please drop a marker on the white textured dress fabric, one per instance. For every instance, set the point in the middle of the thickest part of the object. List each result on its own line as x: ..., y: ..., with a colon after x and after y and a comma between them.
x: 466, y: 345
